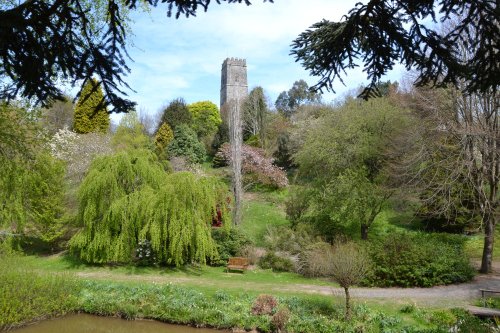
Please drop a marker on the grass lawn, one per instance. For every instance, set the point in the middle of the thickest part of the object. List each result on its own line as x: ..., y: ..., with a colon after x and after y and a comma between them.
x: 474, y: 246
x: 205, y: 275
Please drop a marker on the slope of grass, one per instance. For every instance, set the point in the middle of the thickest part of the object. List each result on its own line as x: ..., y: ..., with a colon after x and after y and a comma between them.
x: 474, y: 246
x: 257, y: 216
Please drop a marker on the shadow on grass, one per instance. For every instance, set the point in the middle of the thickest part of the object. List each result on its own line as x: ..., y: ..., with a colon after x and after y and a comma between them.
x: 160, y: 270
x: 69, y: 261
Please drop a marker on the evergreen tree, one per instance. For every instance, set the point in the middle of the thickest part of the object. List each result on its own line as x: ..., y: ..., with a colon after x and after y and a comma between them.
x: 163, y: 137
x: 378, y: 34
x: 176, y: 113
x: 91, y: 114
x: 186, y: 144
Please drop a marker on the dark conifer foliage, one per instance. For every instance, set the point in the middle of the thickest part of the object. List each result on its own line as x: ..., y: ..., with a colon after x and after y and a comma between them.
x: 43, y: 40
x: 381, y: 33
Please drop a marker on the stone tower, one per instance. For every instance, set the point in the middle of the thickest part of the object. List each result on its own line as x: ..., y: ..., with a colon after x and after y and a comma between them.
x: 234, y: 84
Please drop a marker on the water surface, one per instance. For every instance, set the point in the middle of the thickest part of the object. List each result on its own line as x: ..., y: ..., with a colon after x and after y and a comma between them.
x: 83, y: 323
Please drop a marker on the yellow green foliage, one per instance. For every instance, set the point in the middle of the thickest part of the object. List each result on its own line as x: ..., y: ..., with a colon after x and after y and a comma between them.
x: 90, y: 111
x: 130, y: 134
x: 206, y: 118
x: 127, y: 198
x: 31, y: 197
x: 163, y: 137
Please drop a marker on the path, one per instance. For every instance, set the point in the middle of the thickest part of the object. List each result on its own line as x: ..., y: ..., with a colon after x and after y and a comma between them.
x: 459, y: 295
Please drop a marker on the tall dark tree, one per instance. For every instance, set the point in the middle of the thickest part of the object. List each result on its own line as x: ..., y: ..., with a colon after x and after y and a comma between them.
x: 254, y: 114
x: 176, y: 113
x: 300, y: 94
x: 44, y: 40
x: 380, y: 33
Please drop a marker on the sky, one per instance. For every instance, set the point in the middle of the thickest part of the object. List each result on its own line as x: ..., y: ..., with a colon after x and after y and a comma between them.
x: 183, y: 57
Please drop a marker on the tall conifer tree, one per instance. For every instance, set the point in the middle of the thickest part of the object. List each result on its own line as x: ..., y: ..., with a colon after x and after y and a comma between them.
x: 91, y: 114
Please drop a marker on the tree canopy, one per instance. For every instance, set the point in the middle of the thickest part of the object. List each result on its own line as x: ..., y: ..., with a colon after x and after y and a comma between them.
x: 43, y: 41
x: 380, y: 33
x: 128, y: 198
x: 206, y: 117
x: 176, y: 113
x: 299, y: 94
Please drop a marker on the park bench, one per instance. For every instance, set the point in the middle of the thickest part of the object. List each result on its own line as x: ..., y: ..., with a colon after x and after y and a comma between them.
x: 487, y: 291
x: 237, y: 264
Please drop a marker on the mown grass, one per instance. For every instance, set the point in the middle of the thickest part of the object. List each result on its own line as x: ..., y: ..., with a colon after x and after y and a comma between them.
x: 189, y: 274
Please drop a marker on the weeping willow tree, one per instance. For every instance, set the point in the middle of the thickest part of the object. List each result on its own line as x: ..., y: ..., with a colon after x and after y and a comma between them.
x: 127, y: 198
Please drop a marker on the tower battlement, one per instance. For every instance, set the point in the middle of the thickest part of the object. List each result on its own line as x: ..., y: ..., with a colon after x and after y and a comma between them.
x: 234, y: 62
x: 234, y: 84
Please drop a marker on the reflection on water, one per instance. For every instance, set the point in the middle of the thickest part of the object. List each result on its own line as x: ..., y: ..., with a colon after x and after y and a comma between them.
x: 83, y: 323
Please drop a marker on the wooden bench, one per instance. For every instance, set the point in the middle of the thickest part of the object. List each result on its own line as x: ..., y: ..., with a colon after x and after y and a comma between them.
x: 237, y: 264
x: 487, y: 291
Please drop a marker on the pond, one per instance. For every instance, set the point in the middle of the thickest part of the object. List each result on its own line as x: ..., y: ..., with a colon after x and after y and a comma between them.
x: 83, y: 323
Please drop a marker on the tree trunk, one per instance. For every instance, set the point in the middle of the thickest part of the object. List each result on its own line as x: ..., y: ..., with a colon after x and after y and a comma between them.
x: 235, y: 136
x: 489, y: 239
x: 347, y: 304
x: 364, y: 231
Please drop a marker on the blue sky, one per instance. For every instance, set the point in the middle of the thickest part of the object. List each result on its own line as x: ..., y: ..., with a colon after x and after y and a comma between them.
x: 183, y: 57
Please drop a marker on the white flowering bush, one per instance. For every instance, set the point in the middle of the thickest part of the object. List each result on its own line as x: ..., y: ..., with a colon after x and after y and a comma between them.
x: 78, y: 150
x: 256, y: 166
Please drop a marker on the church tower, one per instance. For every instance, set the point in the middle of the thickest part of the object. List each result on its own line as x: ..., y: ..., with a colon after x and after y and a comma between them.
x: 234, y: 84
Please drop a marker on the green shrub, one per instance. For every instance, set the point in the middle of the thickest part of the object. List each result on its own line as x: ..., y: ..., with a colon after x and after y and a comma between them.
x: 284, y: 238
x: 418, y: 259
x: 186, y: 144
x: 467, y: 323
x: 276, y: 263
x: 229, y: 243
x: 164, y: 135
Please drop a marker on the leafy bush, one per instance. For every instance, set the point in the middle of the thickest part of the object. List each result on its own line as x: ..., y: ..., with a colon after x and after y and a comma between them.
x: 164, y: 135
x: 250, y: 252
x: 144, y: 254
x: 418, y: 259
x: 276, y: 263
x: 264, y: 305
x: 186, y: 144
x: 467, y: 323
x: 283, y: 238
x: 229, y: 243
